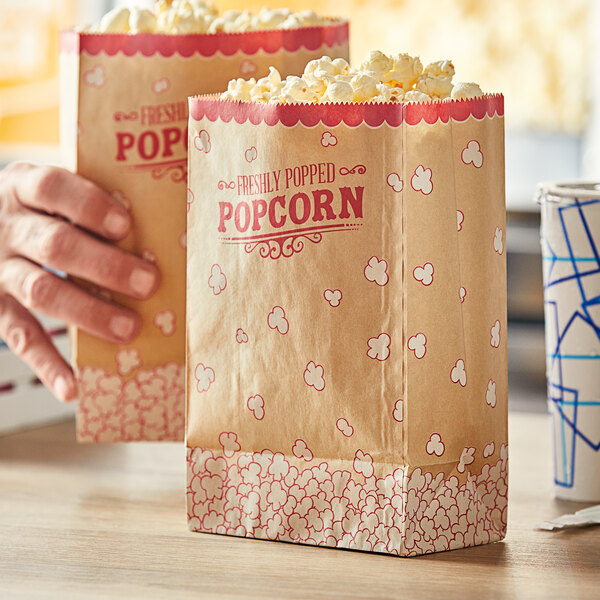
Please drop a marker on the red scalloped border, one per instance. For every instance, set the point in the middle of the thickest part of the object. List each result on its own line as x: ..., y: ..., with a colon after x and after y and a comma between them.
x: 330, y: 115
x: 228, y: 44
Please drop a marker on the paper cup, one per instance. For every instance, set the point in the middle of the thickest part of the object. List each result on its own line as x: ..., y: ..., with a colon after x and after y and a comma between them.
x: 570, y: 237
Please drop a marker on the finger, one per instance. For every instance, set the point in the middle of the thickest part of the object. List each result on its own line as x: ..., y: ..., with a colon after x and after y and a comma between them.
x: 59, y: 192
x: 44, y: 292
x: 27, y: 339
x: 55, y: 243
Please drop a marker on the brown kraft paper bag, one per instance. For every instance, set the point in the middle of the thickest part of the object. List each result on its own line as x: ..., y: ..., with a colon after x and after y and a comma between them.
x: 346, y: 324
x: 123, y: 121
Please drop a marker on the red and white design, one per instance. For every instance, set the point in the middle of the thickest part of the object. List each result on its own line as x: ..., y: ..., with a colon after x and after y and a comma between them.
x: 165, y: 321
x: 334, y: 297
x: 149, y: 256
x: 376, y: 271
x: 202, y: 141
x: 396, y: 512
x: 490, y: 393
x: 205, y: 377
x: 460, y: 217
x: 398, y: 412
x: 119, y: 196
x: 183, y: 240
x: 328, y: 139
x: 435, y: 445
x: 424, y: 274
x: 379, y: 347
x: 363, y: 464
x: 161, y: 85
x: 472, y: 154
x: 462, y: 294
x: 328, y: 502
x: 276, y: 319
x: 301, y: 450
x: 229, y: 443
x: 467, y: 457
x: 217, y: 280
x: 128, y: 360
x: 190, y: 199
x: 495, y: 335
x: 256, y: 405
x: 224, y: 45
x: 421, y: 181
x: 241, y: 337
x: 498, y: 244
x: 314, y: 376
x: 148, y: 406
x: 247, y: 67
x: 489, y: 450
x: 418, y: 344
x: 251, y: 154
x: 309, y: 114
x: 394, y: 181
x: 458, y: 374
x: 345, y: 427
x: 284, y: 245
x: 94, y: 77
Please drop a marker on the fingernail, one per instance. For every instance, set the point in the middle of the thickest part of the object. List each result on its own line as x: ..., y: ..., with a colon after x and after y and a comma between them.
x: 116, y: 223
x: 142, y: 282
x: 64, y: 389
x: 122, y: 326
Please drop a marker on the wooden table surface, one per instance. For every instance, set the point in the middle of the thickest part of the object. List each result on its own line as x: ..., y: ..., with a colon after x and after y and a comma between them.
x: 108, y: 521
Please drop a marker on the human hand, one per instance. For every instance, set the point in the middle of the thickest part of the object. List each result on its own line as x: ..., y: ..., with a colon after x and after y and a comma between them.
x: 48, y: 216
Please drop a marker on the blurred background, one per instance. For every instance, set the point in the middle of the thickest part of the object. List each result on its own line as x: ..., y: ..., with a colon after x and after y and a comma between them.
x: 542, y: 54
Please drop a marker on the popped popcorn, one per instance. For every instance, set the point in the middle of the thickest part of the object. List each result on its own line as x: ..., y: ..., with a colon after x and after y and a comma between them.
x: 340, y: 91
x: 115, y: 21
x: 380, y: 78
x: 197, y: 16
x: 433, y: 85
x: 404, y: 72
x: 377, y: 63
x: 141, y: 20
x: 441, y: 68
x: 416, y: 96
x: 465, y: 90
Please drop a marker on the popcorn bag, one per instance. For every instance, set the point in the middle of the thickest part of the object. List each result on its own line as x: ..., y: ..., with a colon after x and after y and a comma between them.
x: 124, y: 126
x: 346, y: 322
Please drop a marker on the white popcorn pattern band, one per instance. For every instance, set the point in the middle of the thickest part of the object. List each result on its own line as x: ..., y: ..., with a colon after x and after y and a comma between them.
x: 270, y: 496
x: 148, y: 406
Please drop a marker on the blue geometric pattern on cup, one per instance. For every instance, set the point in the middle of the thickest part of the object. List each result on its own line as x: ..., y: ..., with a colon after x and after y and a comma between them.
x: 581, y: 267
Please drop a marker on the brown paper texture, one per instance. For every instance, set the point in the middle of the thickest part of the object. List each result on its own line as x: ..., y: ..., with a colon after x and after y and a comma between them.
x: 346, y: 334
x: 124, y: 126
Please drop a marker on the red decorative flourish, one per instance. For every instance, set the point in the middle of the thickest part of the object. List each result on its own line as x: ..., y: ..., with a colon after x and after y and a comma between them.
x: 122, y: 116
x: 373, y: 114
x: 176, y: 168
x: 288, y: 243
x: 225, y: 185
x: 284, y: 246
x: 360, y: 169
x: 227, y: 44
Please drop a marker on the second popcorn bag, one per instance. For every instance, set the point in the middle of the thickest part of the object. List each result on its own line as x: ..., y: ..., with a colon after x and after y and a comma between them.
x: 124, y: 89
x: 347, y: 378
